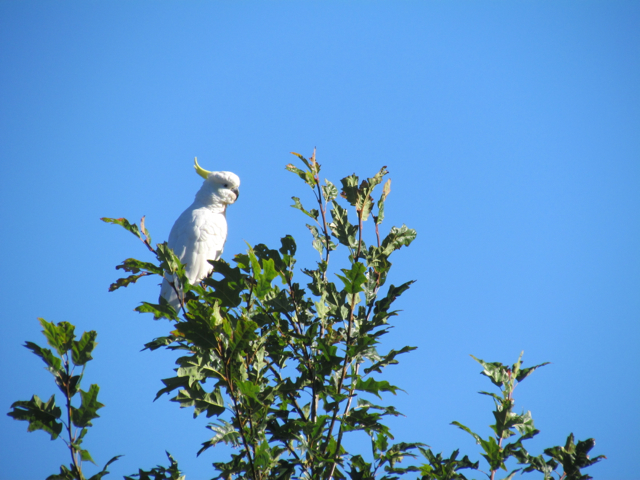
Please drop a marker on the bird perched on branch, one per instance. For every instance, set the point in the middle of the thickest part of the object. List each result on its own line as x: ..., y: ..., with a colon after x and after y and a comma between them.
x: 200, y: 232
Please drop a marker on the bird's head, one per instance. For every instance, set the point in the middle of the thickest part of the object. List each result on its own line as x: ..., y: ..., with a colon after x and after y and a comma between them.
x: 225, y: 185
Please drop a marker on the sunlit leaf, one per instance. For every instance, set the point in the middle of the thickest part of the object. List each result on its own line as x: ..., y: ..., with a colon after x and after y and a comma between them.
x: 40, y: 415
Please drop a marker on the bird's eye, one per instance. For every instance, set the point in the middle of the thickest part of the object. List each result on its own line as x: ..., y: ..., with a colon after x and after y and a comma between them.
x: 226, y: 185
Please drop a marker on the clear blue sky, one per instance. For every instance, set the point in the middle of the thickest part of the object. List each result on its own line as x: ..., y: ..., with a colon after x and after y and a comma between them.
x: 512, y: 133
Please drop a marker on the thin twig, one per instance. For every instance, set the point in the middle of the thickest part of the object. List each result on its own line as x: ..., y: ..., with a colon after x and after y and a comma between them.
x: 72, y: 448
x: 347, y: 360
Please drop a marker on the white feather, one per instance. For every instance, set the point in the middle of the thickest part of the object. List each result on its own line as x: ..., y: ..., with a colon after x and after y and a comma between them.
x: 199, y: 233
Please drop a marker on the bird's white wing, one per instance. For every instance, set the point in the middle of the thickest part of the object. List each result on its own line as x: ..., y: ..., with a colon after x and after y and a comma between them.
x: 197, y: 236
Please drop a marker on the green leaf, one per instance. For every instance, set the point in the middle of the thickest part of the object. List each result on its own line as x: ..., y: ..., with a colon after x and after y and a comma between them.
x: 53, y: 363
x: 440, y: 468
x: 363, y: 199
x: 388, y: 359
x: 385, y: 193
x: 59, y: 336
x: 82, y: 416
x: 170, y: 384
x: 159, y: 342
x: 492, y: 453
x: 318, y: 240
x: 86, y: 456
x: 468, y: 430
x: 209, y: 403
x: 353, y: 278
x: 249, y: 389
x: 397, y: 238
x: 495, y: 371
x: 126, y: 281
x: 224, y: 432
x: 68, y: 384
x: 497, y: 398
x: 124, y: 223
x: 104, y: 471
x: 288, y: 245
x: 311, y: 213
x: 65, y: 474
x: 40, y: 415
x: 350, y: 189
x: 307, y: 175
x: 372, y: 386
x: 228, y: 290
x: 574, y: 457
x: 341, y: 228
x: 381, y: 311
x: 539, y: 464
x: 159, y: 472
x: 263, y: 272
x: 330, y: 191
x: 164, y: 310
x: 171, y: 265
x: 81, y: 349
x: 505, y: 419
x: 134, y: 266
x: 525, y: 372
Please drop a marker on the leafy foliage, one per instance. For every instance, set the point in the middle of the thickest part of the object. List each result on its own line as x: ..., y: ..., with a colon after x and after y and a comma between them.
x: 287, y: 368
x: 508, y: 424
x: 159, y: 472
x: 68, y: 354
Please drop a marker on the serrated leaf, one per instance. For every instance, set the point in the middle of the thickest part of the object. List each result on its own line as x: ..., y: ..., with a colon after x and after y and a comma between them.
x: 525, y: 372
x: 134, y: 266
x: 81, y: 349
x: 573, y: 457
x: 263, y: 274
x: 397, y: 238
x: 372, y: 386
x: 53, y: 363
x: 385, y: 192
x: 126, y: 281
x: 82, y: 416
x: 210, y: 403
x: 164, y: 310
x: 364, y: 204
x: 341, y: 228
x: 40, y: 415
x: 381, y: 311
x: 353, y: 278
x: 495, y: 371
x: 388, y: 359
x: 59, y: 336
x: 65, y: 474
x: 468, y: 430
x: 330, y: 191
x: 350, y: 189
x: 104, y: 471
x: 306, y: 175
x: 160, y: 472
x: 249, y: 389
x: 224, y: 432
x: 313, y: 213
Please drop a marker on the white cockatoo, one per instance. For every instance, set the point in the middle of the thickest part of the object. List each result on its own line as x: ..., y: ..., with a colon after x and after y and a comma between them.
x: 200, y: 232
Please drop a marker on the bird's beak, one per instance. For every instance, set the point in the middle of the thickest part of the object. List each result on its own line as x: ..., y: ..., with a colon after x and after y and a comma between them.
x: 237, y: 192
